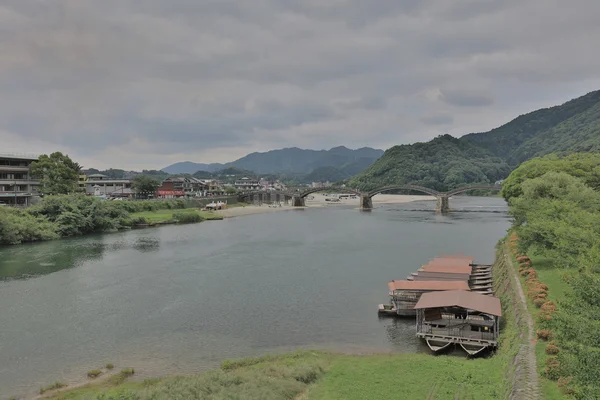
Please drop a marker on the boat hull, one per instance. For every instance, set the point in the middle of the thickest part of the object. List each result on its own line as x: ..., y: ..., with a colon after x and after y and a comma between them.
x: 437, y: 345
x: 473, y: 349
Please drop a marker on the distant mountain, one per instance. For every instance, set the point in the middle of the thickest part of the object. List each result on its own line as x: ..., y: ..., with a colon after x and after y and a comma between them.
x: 289, y: 161
x: 446, y: 162
x: 188, y: 167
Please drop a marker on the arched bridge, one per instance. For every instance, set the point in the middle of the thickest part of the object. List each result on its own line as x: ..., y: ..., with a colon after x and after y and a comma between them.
x: 366, y: 198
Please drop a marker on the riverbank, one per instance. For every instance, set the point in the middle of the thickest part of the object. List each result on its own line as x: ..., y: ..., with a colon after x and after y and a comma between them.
x: 318, y: 200
x: 323, y: 375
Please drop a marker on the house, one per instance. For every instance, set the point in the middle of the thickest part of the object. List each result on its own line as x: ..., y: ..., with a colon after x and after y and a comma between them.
x: 469, y: 319
x: 102, y: 185
x: 317, y: 185
x: 246, y: 184
x: 181, y: 186
x: 17, y: 186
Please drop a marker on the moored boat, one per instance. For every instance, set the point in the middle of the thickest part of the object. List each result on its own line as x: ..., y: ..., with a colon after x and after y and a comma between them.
x: 437, y: 345
x: 473, y: 349
x: 387, y: 310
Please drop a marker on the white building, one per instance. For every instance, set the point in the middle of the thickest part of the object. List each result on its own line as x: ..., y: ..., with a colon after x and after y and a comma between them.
x: 102, y: 185
x: 247, y: 184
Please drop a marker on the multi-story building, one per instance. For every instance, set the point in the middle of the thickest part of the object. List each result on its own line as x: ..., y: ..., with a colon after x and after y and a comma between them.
x: 17, y: 187
x: 320, y: 184
x: 181, y: 186
x: 102, y: 185
x: 247, y: 184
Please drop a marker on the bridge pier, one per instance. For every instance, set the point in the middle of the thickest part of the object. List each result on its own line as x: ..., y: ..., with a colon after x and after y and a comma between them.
x: 366, y: 203
x: 443, y: 204
x: 298, y: 201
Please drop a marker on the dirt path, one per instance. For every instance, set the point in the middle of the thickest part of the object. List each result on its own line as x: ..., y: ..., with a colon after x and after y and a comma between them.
x: 526, y: 385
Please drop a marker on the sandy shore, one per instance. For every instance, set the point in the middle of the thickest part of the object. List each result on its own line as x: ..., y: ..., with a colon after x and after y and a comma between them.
x: 318, y: 200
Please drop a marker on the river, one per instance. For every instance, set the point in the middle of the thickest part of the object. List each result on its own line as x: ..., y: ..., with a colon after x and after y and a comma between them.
x: 179, y: 299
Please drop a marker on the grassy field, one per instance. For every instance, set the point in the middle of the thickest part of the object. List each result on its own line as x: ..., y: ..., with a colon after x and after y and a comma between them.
x: 317, y: 375
x: 162, y: 216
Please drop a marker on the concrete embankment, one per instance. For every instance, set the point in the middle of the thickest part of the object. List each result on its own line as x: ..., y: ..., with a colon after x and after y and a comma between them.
x: 519, y: 341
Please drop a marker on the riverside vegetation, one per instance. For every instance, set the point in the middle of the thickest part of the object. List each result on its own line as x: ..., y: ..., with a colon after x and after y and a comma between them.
x: 71, y: 215
x: 555, y: 203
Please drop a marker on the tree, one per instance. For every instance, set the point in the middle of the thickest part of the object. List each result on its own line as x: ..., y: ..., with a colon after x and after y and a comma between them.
x: 230, y: 190
x: 58, y: 174
x: 145, y: 185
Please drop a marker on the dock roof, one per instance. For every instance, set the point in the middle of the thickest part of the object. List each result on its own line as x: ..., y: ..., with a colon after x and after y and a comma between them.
x: 459, y: 298
x: 447, y: 268
x: 428, y: 285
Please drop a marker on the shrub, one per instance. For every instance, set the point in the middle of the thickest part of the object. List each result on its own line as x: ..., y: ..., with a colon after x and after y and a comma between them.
x: 552, y: 368
x: 549, y: 306
x: 544, y: 334
x: 109, y: 366
x: 552, y: 348
x: 94, y: 373
x: 564, y: 384
x: 524, y: 272
x: 538, y: 302
x: 531, y: 273
x: 138, y: 221
x: 54, y: 386
x: 187, y: 217
x: 523, y: 259
x: 121, y: 376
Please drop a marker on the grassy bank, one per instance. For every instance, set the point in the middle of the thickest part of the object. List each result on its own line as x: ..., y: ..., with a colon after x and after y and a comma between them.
x: 320, y: 375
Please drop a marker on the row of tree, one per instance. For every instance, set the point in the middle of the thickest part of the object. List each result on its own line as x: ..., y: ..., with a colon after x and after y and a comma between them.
x: 555, y: 203
x: 59, y: 174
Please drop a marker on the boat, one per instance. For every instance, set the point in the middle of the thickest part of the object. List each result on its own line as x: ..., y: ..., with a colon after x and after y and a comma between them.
x: 387, y: 310
x: 473, y: 349
x: 437, y: 345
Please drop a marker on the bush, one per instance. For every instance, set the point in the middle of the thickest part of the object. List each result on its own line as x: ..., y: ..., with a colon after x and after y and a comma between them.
x: 538, y: 302
x: 544, y: 334
x: 564, y: 384
x: 138, y: 221
x: 94, y: 373
x: 121, y: 376
x: 18, y: 226
x: 552, y: 370
x: 109, y: 366
x: 523, y: 259
x: 187, y: 217
x: 549, y: 306
x: 552, y: 348
x: 531, y: 273
x: 54, y: 386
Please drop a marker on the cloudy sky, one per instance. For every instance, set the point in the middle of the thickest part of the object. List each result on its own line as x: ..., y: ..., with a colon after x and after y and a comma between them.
x: 144, y: 83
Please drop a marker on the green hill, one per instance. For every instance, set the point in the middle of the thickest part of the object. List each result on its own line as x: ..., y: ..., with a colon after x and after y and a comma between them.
x: 446, y: 162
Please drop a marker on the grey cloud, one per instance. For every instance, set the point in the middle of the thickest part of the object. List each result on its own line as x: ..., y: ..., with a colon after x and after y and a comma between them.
x: 465, y: 99
x: 437, y: 119
x: 188, y: 76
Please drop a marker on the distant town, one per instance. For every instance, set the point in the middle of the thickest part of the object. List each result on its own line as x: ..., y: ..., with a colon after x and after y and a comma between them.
x: 18, y: 187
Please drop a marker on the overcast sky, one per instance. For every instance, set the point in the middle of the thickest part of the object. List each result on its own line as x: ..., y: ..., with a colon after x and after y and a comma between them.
x: 144, y: 83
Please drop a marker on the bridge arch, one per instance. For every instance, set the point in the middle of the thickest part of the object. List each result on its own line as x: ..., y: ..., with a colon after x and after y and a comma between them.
x: 416, y: 188
x: 472, y: 187
x: 330, y: 189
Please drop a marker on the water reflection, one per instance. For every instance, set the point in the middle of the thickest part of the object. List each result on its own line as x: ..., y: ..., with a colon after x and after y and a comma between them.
x: 30, y: 260
x: 36, y: 259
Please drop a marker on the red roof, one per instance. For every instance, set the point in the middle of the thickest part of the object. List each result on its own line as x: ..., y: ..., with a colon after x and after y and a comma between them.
x: 459, y: 298
x: 450, y: 269
x: 428, y: 285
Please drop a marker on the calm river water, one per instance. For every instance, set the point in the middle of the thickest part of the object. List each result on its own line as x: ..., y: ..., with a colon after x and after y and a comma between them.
x: 180, y: 299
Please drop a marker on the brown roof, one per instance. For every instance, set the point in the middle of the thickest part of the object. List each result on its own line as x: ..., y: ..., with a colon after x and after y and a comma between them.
x: 428, y: 285
x: 449, y: 269
x: 474, y: 301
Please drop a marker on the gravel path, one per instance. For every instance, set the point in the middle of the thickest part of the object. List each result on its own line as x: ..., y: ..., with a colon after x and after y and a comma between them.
x: 526, y: 385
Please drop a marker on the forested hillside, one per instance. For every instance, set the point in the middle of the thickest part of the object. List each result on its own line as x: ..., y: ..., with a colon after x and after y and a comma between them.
x: 446, y: 162
x: 443, y: 163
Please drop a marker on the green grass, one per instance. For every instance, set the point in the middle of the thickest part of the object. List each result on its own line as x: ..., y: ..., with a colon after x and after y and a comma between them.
x: 551, y: 276
x: 54, y: 386
x: 411, y: 376
x: 162, y: 216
